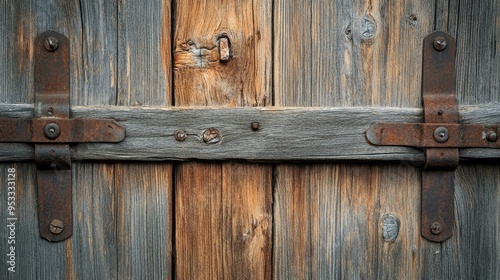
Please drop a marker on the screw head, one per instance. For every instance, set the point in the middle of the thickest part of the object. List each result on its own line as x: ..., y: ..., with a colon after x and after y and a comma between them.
x: 180, y: 135
x: 441, y: 134
x: 255, y: 126
x: 52, y: 131
x: 492, y: 136
x: 439, y: 43
x: 56, y: 226
x: 436, y: 228
x: 211, y: 136
x: 51, y: 44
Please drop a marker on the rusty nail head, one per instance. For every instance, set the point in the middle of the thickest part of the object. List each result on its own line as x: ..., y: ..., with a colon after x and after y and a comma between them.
x: 52, y: 131
x: 436, y: 228
x: 51, y: 44
x: 180, y: 135
x: 441, y: 134
x: 56, y: 226
x: 211, y: 136
x: 255, y: 126
x: 439, y: 43
x: 224, y: 50
x: 50, y: 110
x: 492, y: 136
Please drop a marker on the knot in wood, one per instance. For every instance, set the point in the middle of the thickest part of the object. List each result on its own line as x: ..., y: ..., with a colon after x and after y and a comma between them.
x: 390, y: 227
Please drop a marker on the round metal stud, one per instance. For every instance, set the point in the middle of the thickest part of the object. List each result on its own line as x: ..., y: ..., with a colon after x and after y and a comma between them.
x: 439, y: 43
x: 436, y: 228
x: 492, y: 136
x: 52, y: 131
x: 441, y: 134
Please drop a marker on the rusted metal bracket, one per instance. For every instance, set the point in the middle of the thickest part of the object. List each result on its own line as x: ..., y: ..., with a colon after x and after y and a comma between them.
x: 52, y: 131
x: 440, y: 135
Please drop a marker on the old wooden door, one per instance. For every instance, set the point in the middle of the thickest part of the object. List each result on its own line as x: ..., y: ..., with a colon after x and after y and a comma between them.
x: 140, y: 213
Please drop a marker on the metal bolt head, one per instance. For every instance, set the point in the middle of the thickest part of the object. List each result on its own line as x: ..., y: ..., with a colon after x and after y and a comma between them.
x: 492, y: 136
x: 436, y: 228
x: 52, y: 131
x: 255, y: 126
x: 211, y: 136
x: 56, y: 226
x: 180, y: 135
x: 439, y: 43
x: 441, y: 134
x: 51, y: 44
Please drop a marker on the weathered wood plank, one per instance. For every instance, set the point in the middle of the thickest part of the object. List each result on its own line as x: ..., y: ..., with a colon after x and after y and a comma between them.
x: 94, y: 240
x: 309, y: 133
x: 237, y: 216
x: 144, y: 190
x: 144, y: 53
x: 93, y: 58
x: 144, y: 220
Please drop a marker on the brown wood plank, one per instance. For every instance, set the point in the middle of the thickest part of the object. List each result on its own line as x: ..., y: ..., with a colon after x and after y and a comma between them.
x: 208, y: 234
x: 363, y: 54
x: 144, y: 190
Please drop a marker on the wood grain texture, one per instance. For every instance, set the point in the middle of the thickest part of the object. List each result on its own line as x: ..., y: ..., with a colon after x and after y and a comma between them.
x: 144, y: 190
x: 363, y: 53
x: 144, y: 197
x: 93, y: 250
x: 94, y: 239
x: 144, y: 58
x: 215, y: 236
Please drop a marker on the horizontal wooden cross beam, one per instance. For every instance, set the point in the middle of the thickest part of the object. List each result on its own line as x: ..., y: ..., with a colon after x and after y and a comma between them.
x: 253, y: 134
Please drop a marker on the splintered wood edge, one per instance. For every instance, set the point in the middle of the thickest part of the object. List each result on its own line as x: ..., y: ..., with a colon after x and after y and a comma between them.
x: 283, y: 134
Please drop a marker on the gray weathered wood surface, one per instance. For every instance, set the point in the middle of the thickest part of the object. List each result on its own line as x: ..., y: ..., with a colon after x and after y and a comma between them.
x: 296, y: 134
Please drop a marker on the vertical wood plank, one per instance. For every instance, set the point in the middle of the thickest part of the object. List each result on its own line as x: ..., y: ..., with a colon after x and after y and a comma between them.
x: 94, y: 242
x: 364, y: 53
x: 93, y: 58
x: 144, y: 193
x: 215, y: 236
x: 144, y: 45
x: 144, y: 190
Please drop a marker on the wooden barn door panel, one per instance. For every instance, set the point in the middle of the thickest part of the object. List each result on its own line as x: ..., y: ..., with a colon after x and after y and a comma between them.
x: 239, y: 220
x: 223, y: 211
